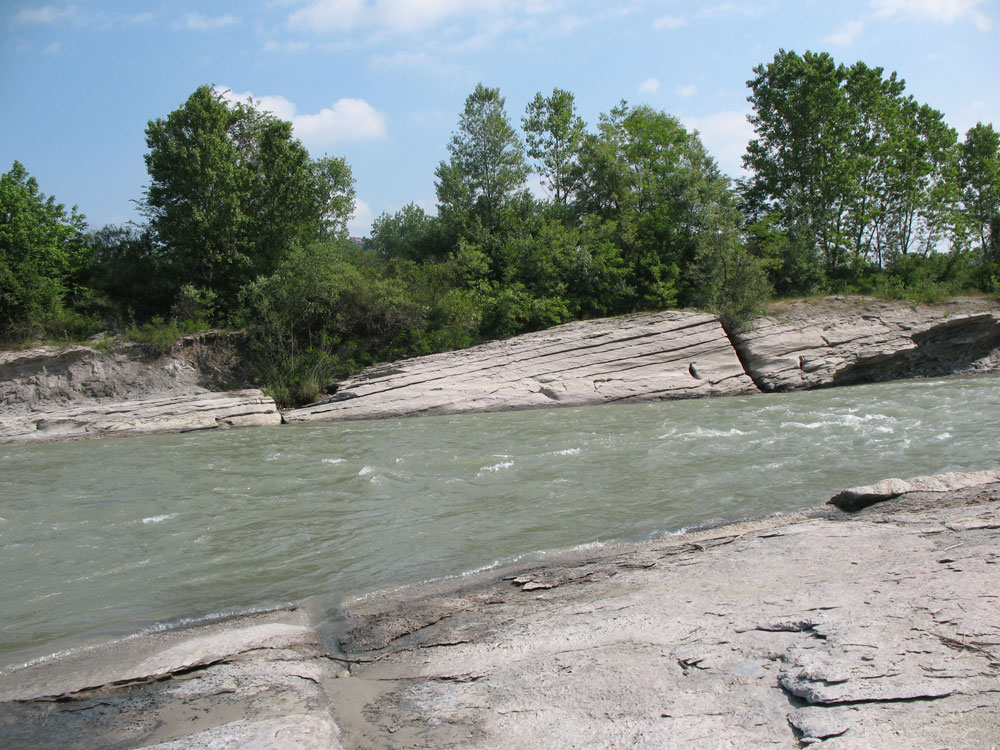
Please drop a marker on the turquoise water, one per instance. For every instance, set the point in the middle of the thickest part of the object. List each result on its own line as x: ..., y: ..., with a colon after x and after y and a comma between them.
x: 105, y: 538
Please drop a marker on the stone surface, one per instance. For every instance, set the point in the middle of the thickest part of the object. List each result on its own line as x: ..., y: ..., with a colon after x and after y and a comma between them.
x: 47, y: 393
x: 251, y: 682
x: 669, y: 355
x: 174, y: 413
x: 841, y: 341
x: 879, y: 628
x: 856, y: 498
x: 50, y: 377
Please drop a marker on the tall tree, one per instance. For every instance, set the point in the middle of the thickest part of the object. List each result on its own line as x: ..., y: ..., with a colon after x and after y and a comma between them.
x: 980, y: 178
x: 655, y: 181
x: 231, y: 191
x: 554, y: 132
x: 41, y: 249
x: 855, y: 171
x: 799, y: 167
x: 485, y: 174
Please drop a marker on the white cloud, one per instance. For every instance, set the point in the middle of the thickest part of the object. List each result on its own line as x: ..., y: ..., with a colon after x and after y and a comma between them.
x: 687, y: 91
x: 51, y: 14
x: 725, y: 135
x: 48, y: 14
x: 669, y: 22
x: 401, y: 16
x: 847, y: 33
x: 938, y: 11
x: 649, y: 86
x: 52, y: 49
x: 730, y: 10
x: 198, y: 22
x: 344, y: 120
x: 360, y: 224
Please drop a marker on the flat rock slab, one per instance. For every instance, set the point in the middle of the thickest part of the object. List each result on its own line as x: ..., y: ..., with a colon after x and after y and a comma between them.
x: 875, y: 629
x: 255, y: 681
x: 669, y: 355
x: 842, y: 341
x: 169, y: 413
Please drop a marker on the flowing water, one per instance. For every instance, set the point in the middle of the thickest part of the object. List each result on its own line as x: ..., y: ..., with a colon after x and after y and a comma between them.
x: 103, y: 538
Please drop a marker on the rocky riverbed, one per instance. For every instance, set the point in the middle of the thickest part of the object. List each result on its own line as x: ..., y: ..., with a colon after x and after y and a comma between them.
x: 875, y: 628
x: 49, y: 393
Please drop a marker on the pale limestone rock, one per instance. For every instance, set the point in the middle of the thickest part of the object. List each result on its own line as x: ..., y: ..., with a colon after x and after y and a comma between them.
x: 171, y: 413
x: 840, y: 341
x: 669, y: 355
x: 856, y: 498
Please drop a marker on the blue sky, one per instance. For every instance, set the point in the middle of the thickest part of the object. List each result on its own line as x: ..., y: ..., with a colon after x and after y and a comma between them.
x: 382, y: 82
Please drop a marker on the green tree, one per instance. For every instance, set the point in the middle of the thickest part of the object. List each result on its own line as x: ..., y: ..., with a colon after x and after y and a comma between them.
x: 480, y: 189
x: 42, y: 250
x: 231, y: 191
x: 655, y: 182
x: 409, y: 233
x: 980, y: 180
x: 554, y: 133
x: 855, y: 171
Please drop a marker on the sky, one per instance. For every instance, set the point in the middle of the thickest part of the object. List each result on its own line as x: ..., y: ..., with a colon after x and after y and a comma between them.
x: 382, y: 82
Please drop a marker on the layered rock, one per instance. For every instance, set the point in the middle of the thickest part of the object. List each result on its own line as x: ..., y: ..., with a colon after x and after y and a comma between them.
x: 669, y: 355
x: 175, y: 413
x: 842, y: 341
x: 251, y: 682
x: 874, y: 629
x: 48, y: 393
x: 877, y: 629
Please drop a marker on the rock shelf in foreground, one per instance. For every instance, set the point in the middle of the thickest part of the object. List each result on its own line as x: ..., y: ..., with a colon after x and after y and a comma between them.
x: 879, y: 628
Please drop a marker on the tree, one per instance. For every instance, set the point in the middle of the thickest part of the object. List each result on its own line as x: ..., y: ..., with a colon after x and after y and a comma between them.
x: 41, y: 250
x: 855, y: 171
x: 409, y: 233
x: 554, y: 133
x: 482, y: 182
x: 980, y: 178
x: 231, y: 191
x: 646, y: 174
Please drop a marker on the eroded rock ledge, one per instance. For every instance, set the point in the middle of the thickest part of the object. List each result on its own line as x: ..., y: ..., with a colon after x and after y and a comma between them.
x: 879, y: 628
x: 78, y: 392
x: 47, y: 393
x: 679, y: 354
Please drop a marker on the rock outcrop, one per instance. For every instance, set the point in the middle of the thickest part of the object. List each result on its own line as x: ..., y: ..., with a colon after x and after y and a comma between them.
x: 176, y: 413
x: 857, y: 498
x: 251, y: 682
x: 669, y: 355
x: 843, y: 341
x: 47, y: 393
x: 875, y: 629
x: 879, y: 628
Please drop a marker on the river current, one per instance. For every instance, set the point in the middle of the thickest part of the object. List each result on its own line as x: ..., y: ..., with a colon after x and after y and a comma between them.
x: 101, y: 539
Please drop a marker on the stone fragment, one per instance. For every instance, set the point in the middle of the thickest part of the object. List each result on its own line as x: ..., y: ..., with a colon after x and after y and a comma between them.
x: 857, y: 498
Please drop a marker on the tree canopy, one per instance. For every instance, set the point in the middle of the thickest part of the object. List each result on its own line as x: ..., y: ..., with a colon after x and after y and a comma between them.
x: 231, y: 191
x: 41, y: 249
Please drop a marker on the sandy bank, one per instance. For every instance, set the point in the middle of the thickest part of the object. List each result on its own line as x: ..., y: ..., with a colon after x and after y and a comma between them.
x: 879, y: 628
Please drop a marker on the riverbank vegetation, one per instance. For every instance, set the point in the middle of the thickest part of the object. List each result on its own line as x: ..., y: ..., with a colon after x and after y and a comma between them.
x: 852, y: 187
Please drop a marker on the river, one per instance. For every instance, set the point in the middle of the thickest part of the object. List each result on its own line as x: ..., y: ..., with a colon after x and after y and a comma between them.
x: 102, y: 539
